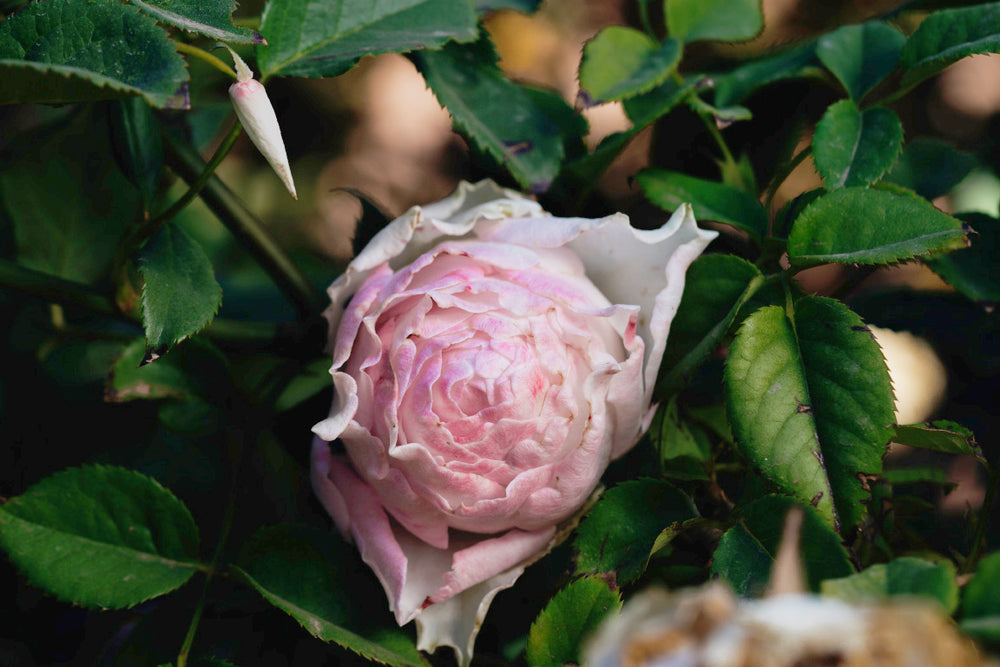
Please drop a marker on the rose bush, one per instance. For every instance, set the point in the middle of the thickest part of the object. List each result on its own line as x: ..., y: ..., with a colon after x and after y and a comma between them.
x: 489, y: 360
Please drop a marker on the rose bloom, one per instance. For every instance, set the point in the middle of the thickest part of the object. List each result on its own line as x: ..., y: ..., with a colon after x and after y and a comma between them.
x: 489, y: 360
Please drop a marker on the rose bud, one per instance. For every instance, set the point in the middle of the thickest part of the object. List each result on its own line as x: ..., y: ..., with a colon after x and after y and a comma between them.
x: 256, y: 114
x: 489, y: 360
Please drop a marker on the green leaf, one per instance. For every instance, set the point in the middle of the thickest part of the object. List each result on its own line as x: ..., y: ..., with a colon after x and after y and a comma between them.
x: 180, y: 295
x: 212, y: 18
x: 100, y: 536
x: 811, y: 404
x: 73, y: 51
x: 871, y: 226
x: 931, y: 167
x: 570, y: 617
x: 316, y: 38
x: 68, y: 213
x: 715, y: 288
x: 138, y: 146
x: 725, y: 20
x: 195, y: 369
x: 940, y: 436
x: 861, y: 55
x: 307, y: 573
x: 621, y: 62
x: 947, y: 36
x: 903, y: 476
x: 518, y: 133
x: 736, y: 85
x: 745, y: 554
x: 974, y: 271
x: 906, y: 576
x: 709, y: 200
x: 619, y: 532
x: 683, y: 448
x: 524, y: 6
x: 314, y: 378
x: 853, y: 147
x: 980, y: 602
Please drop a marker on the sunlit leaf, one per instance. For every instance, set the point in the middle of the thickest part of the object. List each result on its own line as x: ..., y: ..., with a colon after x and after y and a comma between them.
x: 621, y: 62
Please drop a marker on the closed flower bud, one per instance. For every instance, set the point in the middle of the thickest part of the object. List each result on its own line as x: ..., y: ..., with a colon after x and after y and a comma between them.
x: 256, y: 114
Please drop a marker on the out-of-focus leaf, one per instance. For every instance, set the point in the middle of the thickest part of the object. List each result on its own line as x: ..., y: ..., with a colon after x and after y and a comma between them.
x: 906, y: 576
x: 212, y: 18
x: 100, y: 536
x: 620, y: 62
x: 811, y: 404
x: 980, y: 602
x: 315, y: 38
x: 838, y: 227
x: 306, y: 573
x: 619, y: 532
x: 736, y: 85
x: 931, y: 167
x: 73, y: 51
x: 715, y: 288
x: 571, y: 616
x: 193, y: 370
x: 853, y: 147
x: 525, y: 6
x: 314, y: 378
x: 180, y: 295
x: 725, y: 20
x: 940, y: 436
x: 517, y: 133
x: 861, y: 55
x: 974, y: 271
x: 901, y: 476
x: 746, y: 552
x: 68, y: 212
x: 948, y: 36
x: 138, y: 147
x: 709, y: 200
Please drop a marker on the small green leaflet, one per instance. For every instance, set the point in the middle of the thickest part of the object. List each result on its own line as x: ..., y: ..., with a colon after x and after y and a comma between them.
x: 621, y: 62
x: 212, y: 18
x: 861, y: 55
x: 939, y: 436
x: 853, y: 147
x: 906, y: 576
x: 725, y: 20
x: 739, y: 83
x: 931, y: 167
x: 314, y: 38
x: 305, y: 572
x: 871, y: 226
x: 811, y: 404
x: 947, y: 36
x: 570, y: 617
x: 180, y: 295
x: 79, y: 50
x: 100, y: 536
x: 746, y: 552
x: 980, y: 602
x: 974, y: 271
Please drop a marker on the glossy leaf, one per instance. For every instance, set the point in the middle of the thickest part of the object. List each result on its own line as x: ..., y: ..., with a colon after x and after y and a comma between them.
x: 618, y: 534
x: 710, y: 200
x: 307, y: 573
x: 871, y: 226
x: 315, y: 38
x: 68, y: 214
x: 853, y: 147
x: 811, y: 404
x: 745, y: 554
x: 974, y: 271
x: 572, y: 615
x: 931, y: 167
x: 906, y: 577
x: 715, y: 288
x: 736, y: 85
x: 467, y: 81
x: 180, y: 295
x: 72, y: 51
x: 861, y: 55
x: 100, y: 536
x: 980, y: 602
x: 620, y: 62
x: 947, y: 36
x: 725, y: 20
x: 939, y: 436
x: 212, y: 18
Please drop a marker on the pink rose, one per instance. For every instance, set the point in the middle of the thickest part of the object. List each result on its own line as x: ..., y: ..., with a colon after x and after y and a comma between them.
x: 489, y: 360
